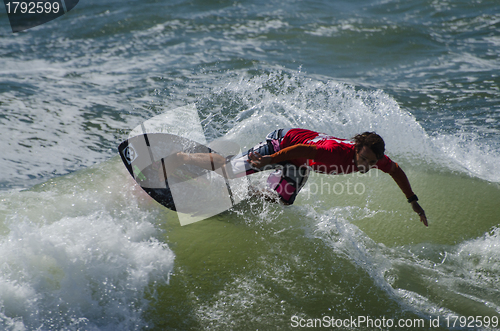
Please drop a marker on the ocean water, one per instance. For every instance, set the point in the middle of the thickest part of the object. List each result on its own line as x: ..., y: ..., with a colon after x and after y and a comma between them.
x: 83, y: 248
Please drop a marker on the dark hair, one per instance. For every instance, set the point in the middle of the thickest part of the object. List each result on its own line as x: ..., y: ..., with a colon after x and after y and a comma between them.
x: 372, y: 141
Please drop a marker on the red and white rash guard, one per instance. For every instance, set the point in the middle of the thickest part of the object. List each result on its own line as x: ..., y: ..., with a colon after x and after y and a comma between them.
x: 333, y: 155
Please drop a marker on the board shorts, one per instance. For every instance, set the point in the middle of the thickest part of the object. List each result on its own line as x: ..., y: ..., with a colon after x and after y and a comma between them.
x: 287, y: 179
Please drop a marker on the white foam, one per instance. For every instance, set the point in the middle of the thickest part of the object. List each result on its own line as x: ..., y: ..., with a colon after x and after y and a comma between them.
x: 481, y: 260
x: 464, y: 153
x: 181, y: 121
x: 77, y: 253
x: 86, y: 269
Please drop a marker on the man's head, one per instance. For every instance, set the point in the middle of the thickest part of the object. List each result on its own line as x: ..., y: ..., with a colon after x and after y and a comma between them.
x: 370, y: 148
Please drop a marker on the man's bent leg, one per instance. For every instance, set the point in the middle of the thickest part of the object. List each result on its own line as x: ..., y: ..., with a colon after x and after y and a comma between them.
x: 288, y: 181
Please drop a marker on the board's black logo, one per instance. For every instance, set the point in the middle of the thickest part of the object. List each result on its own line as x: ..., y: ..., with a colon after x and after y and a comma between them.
x: 130, y: 154
x: 25, y: 14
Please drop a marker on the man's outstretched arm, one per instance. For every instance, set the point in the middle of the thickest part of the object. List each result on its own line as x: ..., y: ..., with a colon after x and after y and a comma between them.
x: 299, y: 151
x: 400, y: 178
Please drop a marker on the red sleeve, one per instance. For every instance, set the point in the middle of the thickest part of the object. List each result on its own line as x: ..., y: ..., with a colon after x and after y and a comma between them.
x: 385, y: 164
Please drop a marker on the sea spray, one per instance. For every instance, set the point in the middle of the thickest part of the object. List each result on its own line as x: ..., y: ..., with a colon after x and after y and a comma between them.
x: 78, y: 253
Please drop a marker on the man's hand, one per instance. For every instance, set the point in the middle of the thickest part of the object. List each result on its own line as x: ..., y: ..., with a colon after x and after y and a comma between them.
x: 257, y: 160
x: 417, y: 209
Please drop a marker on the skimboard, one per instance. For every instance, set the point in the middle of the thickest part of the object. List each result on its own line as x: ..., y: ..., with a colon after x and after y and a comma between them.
x: 194, y: 192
